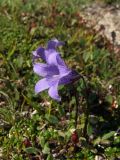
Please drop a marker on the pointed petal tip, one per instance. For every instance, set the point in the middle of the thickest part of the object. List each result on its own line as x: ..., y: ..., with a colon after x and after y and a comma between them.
x: 57, y: 98
x: 54, y: 43
x: 41, y: 85
x: 37, y: 89
x: 53, y: 92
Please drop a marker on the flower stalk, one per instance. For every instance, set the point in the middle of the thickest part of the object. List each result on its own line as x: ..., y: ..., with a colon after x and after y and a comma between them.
x: 86, y: 110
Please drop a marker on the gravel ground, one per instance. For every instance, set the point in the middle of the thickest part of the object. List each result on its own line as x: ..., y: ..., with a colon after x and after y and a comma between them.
x: 108, y: 16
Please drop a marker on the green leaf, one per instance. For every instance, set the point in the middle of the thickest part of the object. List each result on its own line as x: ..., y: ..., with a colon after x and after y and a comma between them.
x: 89, y: 129
x: 46, y: 149
x: 52, y: 119
x: 61, y: 111
x: 31, y: 150
x: 108, y: 135
x: 19, y: 61
x: 97, y: 141
x: 49, y: 157
x: 11, y: 52
x: 7, y: 114
x: 86, y: 56
x: 109, y: 98
x: 42, y: 141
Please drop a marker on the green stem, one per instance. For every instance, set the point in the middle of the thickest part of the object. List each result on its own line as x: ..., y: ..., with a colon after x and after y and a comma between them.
x: 87, y: 110
x: 76, y: 109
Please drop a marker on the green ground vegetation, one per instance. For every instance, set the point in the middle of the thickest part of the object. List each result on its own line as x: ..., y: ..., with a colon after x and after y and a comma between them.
x: 35, y: 126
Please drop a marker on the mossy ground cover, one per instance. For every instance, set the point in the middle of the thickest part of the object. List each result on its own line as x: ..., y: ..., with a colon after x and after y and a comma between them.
x: 35, y: 126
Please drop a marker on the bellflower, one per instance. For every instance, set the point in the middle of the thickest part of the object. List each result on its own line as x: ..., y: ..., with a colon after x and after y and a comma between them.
x: 41, y: 52
x: 54, y: 71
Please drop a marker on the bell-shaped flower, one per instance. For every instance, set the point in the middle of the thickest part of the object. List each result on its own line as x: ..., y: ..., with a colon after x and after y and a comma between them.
x: 54, y: 71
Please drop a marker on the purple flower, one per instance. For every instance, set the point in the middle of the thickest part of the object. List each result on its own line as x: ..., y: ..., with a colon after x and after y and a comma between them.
x: 42, y: 52
x: 54, y: 71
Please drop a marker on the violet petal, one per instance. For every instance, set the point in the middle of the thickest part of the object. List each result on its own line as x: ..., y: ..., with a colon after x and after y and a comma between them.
x: 41, y: 85
x: 39, y: 53
x: 68, y: 78
x: 45, y: 70
x: 53, y: 44
x: 53, y: 58
x: 53, y: 92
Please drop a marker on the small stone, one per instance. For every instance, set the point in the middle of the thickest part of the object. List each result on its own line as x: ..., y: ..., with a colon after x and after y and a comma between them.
x: 99, y: 157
